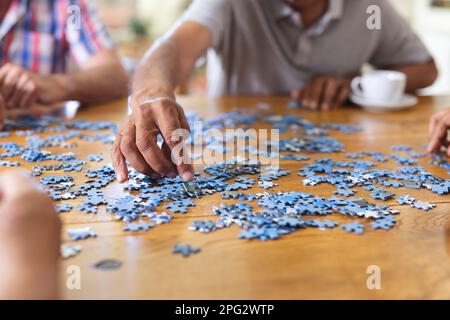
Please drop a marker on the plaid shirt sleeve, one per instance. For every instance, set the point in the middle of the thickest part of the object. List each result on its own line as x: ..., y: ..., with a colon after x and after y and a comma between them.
x: 86, y: 34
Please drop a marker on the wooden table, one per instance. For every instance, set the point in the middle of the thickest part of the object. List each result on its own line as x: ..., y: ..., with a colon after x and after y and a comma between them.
x: 414, y: 257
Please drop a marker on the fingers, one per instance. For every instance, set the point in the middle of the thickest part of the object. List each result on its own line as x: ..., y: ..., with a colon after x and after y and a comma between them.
x: 175, y: 129
x: 312, y: 94
x: 29, y: 96
x: 26, y: 96
x: 151, y: 119
x: 439, y: 132
x: 296, y: 94
x: 304, y: 99
x: 2, y: 112
x: 152, y: 154
x: 118, y: 160
x: 9, y: 85
x: 324, y: 92
x: 434, y: 120
x: 128, y: 150
x: 17, y: 87
x: 329, y: 94
x: 138, y: 142
x: 342, y: 95
x: 3, y: 72
x: 316, y: 94
x: 186, y: 169
x: 18, y: 91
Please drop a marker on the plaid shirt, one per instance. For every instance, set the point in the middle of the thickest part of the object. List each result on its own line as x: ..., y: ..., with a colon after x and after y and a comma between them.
x: 43, y: 35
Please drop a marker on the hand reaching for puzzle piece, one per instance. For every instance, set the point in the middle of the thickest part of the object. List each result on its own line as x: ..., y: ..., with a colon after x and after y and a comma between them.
x: 438, y: 132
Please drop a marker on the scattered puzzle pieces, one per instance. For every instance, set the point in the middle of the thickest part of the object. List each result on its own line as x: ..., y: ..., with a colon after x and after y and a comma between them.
x: 270, y: 215
x: 413, y: 203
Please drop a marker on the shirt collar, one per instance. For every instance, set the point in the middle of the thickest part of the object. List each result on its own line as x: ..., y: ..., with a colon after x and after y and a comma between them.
x: 336, y: 8
x: 334, y: 12
x: 15, y: 12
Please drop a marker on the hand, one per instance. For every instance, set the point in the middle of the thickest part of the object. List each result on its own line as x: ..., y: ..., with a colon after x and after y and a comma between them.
x: 136, y: 141
x: 17, y: 87
x: 323, y: 92
x: 438, y: 132
x: 2, y: 112
x: 29, y: 239
x: 51, y: 88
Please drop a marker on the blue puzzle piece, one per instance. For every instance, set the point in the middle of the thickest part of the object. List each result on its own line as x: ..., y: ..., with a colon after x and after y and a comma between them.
x: 141, y: 226
x: 81, y: 233
x: 354, y: 227
x: 185, y: 250
x: 385, y: 223
x: 60, y: 208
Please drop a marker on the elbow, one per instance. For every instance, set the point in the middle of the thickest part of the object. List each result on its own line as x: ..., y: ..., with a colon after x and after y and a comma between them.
x: 434, y: 73
x: 431, y: 74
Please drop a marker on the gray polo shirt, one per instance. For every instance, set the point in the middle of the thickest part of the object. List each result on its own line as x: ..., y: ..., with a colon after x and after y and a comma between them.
x: 260, y: 47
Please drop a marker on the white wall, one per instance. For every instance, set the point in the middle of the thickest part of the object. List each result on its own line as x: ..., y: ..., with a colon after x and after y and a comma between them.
x: 433, y: 26
x: 161, y: 13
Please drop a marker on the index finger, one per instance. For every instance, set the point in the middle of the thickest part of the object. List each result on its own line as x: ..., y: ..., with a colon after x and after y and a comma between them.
x: 146, y: 142
x: 175, y: 129
x: 331, y: 87
x: 186, y: 169
x: 439, y: 134
x: 434, y: 120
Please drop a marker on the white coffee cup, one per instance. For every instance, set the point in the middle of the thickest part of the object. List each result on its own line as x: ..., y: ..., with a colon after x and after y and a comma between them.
x: 380, y: 85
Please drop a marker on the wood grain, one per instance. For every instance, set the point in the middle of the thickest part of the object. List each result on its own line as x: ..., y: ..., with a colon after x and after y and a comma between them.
x: 308, y: 264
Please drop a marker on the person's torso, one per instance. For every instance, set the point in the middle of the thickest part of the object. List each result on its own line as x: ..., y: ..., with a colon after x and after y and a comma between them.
x: 262, y: 54
x: 32, y: 35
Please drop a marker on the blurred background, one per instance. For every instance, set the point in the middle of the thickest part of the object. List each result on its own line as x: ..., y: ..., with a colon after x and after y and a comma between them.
x: 134, y: 24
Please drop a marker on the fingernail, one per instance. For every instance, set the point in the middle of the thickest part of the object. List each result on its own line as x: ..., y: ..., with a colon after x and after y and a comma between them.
x: 172, y: 174
x: 187, y: 176
x: 155, y: 176
x: 120, y: 177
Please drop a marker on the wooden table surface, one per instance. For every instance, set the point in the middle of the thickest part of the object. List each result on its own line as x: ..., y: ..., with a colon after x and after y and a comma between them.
x: 414, y: 256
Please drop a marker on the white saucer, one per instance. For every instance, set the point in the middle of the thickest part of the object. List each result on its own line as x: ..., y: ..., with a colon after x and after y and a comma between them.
x: 405, y: 102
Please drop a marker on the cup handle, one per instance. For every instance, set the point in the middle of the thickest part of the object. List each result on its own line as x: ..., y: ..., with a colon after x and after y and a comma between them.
x: 356, y: 87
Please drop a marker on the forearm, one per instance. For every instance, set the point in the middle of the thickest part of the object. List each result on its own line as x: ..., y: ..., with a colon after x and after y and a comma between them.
x: 161, y: 71
x: 419, y: 76
x: 94, y: 85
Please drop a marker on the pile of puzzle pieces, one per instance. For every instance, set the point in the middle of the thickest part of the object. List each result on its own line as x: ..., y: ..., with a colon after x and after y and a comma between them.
x: 263, y: 215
